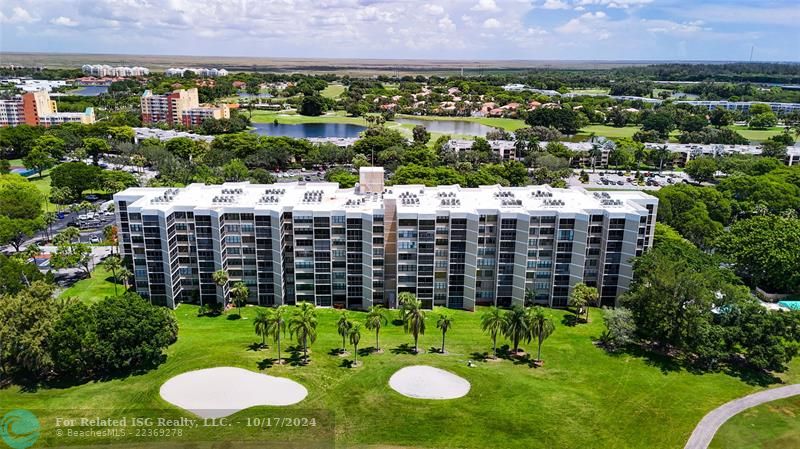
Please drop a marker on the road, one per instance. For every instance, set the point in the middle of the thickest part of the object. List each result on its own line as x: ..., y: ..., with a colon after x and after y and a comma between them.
x: 705, y: 431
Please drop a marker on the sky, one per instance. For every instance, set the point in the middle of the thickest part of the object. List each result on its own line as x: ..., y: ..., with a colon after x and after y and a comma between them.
x: 410, y: 29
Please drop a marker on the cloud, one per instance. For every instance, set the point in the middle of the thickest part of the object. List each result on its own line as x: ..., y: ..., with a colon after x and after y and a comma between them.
x: 491, y: 23
x: 585, y: 24
x: 555, y: 4
x: 18, y: 15
x: 64, y: 21
x: 485, y: 5
x: 621, y: 4
x: 434, y: 10
x: 445, y: 24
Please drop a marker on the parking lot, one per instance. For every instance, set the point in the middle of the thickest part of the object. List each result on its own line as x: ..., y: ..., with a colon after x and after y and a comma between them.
x: 627, y: 180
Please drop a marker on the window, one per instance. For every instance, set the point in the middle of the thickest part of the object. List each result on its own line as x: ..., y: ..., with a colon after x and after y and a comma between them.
x: 233, y: 239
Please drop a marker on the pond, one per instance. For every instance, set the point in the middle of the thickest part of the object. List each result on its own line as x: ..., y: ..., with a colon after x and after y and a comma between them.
x: 449, y: 126
x: 90, y: 91
x: 303, y: 130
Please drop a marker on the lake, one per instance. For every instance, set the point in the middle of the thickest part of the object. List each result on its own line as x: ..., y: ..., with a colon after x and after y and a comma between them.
x: 90, y: 91
x: 303, y: 130
x: 449, y: 126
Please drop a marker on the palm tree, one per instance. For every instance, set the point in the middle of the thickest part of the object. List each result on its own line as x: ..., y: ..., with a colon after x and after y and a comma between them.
x: 304, y: 325
x: 515, y: 326
x: 220, y: 278
x: 595, y: 153
x: 530, y: 296
x: 239, y: 294
x: 261, y: 324
x: 343, y: 327
x: 355, y: 337
x: 445, y: 322
x: 113, y: 263
x: 402, y: 299
x: 413, y: 319
x: 276, y: 327
x: 125, y: 274
x: 376, y: 318
x: 582, y: 297
x: 492, y: 321
x: 541, y: 327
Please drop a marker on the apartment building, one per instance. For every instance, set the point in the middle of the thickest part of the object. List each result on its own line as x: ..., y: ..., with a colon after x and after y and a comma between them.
x: 195, y: 116
x: 179, y: 107
x: 107, y: 70
x: 201, y: 71
x: 504, y: 149
x: 37, y: 109
x: 352, y: 248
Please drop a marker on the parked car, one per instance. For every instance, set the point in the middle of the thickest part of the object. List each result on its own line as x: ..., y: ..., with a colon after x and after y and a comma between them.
x: 108, y: 213
x: 92, y: 197
x: 94, y: 239
x: 83, y: 217
x: 620, y: 183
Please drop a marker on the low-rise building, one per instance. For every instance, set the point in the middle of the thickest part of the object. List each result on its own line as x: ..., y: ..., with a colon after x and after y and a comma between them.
x: 504, y: 149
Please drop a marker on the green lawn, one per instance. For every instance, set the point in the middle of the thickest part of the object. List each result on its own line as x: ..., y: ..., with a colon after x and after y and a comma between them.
x: 592, y: 91
x: 292, y: 118
x: 582, y: 397
x: 333, y: 90
x: 775, y: 425
x: 94, y: 288
x: 611, y: 132
x: 756, y: 134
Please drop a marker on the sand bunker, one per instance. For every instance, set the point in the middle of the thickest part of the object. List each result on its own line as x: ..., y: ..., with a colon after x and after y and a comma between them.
x: 427, y: 382
x: 220, y: 392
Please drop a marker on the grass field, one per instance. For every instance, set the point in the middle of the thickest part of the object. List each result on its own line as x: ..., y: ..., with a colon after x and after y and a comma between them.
x: 508, y: 124
x: 775, y: 425
x: 756, y: 134
x: 333, y: 90
x: 607, y: 131
x: 582, y: 397
x: 94, y: 288
x: 292, y: 118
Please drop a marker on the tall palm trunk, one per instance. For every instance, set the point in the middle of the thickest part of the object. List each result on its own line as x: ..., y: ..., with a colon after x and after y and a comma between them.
x: 377, y: 343
x: 443, y: 342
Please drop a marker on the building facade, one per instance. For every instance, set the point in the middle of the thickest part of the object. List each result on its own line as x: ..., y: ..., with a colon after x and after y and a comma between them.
x: 353, y: 248
x: 37, y: 109
x: 179, y: 107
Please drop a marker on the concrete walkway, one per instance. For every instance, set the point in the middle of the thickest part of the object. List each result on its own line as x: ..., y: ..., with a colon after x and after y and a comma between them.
x: 705, y: 431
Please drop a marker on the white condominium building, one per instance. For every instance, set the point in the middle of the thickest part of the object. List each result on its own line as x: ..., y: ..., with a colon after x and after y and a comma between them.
x: 450, y: 246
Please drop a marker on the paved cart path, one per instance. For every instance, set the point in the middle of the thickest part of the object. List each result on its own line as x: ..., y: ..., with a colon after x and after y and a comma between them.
x: 705, y: 431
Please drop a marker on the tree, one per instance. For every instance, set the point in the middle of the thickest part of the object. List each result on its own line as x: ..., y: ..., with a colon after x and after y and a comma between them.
x: 493, y: 322
x: 5, y: 167
x: 773, y: 148
x: 303, y: 325
x: 261, y: 176
x: 766, y: 250
x: 39, y: 160
x: 355, y: 337
x: 16, y: 273
x: 131, y: 333
x: 312, y: 105
x: 343, y: 326
x: 413, y: 319
x: 20, y: 210
x: 541, y: 327
x: 26, y: 320
x: 220, y: 277
x: 342, y: 176
x: 582, y: 297
x: 763, y: 121
x: 71, y: 253
x: 110, y: 236
x: 444, y: 323
x: 261, y: 325
x: 235, y: 170
x: 114, y: 264
x: 50, y: 145
x: 562, y: 119
x: 421, y: 135
x: 239, y: 294
x: 720, y: 117
x: 619, y: 328
x: 376, y: 319
x: 516, y: 327
x: 702, y: 168
x: 278, y: 319
x: 94, y: 147
x: 75, y: 177
x: 660, y: 122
